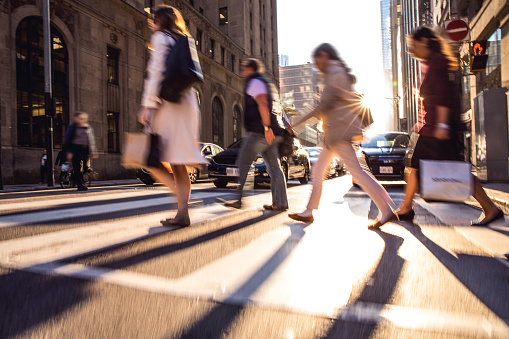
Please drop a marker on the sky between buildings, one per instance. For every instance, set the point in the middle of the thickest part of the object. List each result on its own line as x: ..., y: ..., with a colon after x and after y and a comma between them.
x: 353, y: 27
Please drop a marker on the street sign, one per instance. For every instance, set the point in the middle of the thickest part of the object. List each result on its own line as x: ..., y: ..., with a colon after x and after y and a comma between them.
x: 457, y: 30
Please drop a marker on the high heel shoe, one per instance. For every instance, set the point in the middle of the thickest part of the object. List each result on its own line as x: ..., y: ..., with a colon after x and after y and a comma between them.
x: 408, y: 216
x: 379, y: 224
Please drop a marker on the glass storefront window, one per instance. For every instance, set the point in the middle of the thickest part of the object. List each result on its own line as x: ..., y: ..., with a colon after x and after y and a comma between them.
x: 494, y: 52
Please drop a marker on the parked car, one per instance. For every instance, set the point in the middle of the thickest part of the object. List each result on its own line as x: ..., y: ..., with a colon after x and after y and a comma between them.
x: 208, y: 150
x: 222, y: 168
x: 384, y: 154
x: 336, y: 167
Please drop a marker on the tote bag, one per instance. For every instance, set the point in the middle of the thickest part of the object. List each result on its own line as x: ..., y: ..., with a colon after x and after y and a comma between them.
x: 136, y: 150
x: 442, y: 180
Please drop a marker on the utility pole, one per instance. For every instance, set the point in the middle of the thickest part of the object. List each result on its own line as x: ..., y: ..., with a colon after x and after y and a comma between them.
x: 48, y: 97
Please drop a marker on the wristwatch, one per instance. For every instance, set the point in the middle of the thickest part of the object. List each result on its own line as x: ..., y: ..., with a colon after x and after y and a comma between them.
x: 266, y: 128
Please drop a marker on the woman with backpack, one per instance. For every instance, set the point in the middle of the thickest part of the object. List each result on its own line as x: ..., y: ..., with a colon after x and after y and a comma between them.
x: 176, y: 123
x: 342, y: 126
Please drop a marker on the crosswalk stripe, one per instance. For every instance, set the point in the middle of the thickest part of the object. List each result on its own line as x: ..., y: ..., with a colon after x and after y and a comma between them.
x: 48, y: 202
x: 74, y: 212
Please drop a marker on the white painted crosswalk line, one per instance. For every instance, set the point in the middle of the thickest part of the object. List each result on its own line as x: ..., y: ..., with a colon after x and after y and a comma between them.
x: 73, y: 212
x: 53, y: 201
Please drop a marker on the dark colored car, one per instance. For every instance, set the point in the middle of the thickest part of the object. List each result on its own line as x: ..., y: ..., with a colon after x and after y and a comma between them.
x: 336, y: 166
x: 222, y: 168
x: 385, y: 154
x: 208, y: 150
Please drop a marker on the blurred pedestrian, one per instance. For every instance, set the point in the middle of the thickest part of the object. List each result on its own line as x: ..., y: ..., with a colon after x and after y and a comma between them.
x: 176, y: 123
x: 42, y: 162
x: 264, y: 134
x: 79, y: 145
x: 439, y: 126
x: 342, y: 126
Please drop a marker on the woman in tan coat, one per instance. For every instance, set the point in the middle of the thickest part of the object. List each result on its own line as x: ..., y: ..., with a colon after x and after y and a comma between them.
x: 341, y: 126
x: 177, y: 123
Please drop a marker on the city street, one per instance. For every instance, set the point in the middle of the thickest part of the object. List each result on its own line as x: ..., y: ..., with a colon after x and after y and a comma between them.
x: 99, y: 265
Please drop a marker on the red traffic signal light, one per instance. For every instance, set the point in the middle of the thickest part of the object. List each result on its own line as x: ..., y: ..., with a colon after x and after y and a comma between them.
x: 479, y: 48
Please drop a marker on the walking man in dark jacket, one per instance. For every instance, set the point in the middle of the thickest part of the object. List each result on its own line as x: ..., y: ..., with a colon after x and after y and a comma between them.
x: 264, y: 134
x: 79, y: 144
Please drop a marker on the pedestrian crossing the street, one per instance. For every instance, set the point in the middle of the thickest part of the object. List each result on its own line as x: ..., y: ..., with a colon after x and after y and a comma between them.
x: 292, y: 267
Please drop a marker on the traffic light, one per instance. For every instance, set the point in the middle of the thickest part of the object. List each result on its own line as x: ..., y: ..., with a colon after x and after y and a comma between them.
x: 478, y: 55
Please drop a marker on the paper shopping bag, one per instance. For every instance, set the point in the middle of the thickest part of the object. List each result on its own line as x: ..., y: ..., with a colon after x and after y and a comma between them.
x: 446, y: 180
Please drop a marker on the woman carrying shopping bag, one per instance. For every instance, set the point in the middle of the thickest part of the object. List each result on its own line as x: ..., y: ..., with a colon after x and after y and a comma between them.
x: 439, y: 124
x: 177, y: 124
x: 342, y: 125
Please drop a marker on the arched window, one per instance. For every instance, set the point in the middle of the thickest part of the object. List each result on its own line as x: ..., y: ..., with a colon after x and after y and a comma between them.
x: 31, y: 113
x: 217, y: 122
x: 237, y: 123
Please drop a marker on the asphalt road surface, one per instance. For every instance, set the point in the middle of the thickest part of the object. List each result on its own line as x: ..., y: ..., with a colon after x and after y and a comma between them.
x: 99, y: 265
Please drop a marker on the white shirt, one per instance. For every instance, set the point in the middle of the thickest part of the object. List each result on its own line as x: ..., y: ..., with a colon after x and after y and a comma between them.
x: 256, y: 87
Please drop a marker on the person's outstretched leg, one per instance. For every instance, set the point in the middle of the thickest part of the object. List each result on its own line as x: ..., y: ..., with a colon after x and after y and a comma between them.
x: 317, y: 177
x: 277, y: 178
x: 491, y: 211
x: 252, y: 145
x: 183, y: 191
x: 366, y: 181
x: 411, y: 188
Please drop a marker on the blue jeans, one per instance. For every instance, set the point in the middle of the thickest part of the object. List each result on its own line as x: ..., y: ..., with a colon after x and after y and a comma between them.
x: 252, y: 145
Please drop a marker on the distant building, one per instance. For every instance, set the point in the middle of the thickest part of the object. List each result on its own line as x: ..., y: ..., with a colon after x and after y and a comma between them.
x: 284, y: 60
x: 299, y: 87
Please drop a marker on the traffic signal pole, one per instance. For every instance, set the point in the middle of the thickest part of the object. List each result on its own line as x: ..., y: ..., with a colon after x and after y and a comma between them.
x: 48, y: 97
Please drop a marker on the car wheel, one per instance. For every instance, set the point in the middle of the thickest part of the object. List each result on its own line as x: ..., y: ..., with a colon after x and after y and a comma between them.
x: 305, y: 178
x: 194, y: 177
x: 220, y: 183
x: 148, y: 181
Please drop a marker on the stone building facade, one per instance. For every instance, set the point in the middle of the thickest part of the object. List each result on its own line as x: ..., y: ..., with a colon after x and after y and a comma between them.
x: 99, y: 55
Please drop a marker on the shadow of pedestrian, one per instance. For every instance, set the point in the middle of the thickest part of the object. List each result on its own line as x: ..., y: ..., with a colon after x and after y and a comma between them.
x: 30, y: 299
x: 217, y: 322
x: 379, y: 289
x: 484, y: 276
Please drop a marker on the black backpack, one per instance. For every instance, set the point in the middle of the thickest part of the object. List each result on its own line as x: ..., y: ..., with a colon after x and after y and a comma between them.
x: 183, y: 68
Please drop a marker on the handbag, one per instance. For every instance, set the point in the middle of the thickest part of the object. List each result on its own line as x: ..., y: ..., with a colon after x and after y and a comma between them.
x: 286, y: 146
x: 442, y: 180
x: 182, y: 68
x: 141, y: 150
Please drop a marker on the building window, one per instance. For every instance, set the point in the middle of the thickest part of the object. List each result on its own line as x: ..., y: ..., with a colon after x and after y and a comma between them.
x: 223, y: 16
x: 252, y: 47
x: 112, y: 57
x: 113, y: 132
x: 217, y: 122
x: 31, y: 113
x: 494, y: 51
x: 223, y: 55
x: 251, y: 21
x: 198, y: 40
x: 191, y: 2
x: 232, y: 65
x: 212, y: 47
x: 237, y: 123
x: 201, y: 11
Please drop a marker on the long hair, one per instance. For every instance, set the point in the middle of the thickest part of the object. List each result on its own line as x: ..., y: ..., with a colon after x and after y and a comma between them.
x: 170, y: 19
x: 437, y: 44
x: 333, y: 55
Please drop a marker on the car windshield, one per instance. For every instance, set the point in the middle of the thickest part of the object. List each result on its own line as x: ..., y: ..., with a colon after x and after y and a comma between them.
x: 396, y: 140
x: 314, y: 151
x: 235, y: 145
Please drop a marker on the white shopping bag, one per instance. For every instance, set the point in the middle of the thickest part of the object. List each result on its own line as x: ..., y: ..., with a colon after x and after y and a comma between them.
x: 135, y: 152
x: 442, y: 180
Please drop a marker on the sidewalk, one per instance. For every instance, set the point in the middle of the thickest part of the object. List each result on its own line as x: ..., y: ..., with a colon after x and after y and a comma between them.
x: 39, y: 187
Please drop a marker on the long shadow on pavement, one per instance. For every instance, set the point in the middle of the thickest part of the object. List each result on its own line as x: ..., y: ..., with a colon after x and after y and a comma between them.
x: 217, y: 322
x: 485, y: 277
x: 384, y: 280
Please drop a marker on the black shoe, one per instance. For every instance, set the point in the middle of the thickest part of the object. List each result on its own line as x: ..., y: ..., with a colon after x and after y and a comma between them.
x: 236, y: 204
x: 82, y: 188
x: 500, y: 215
x: 176, y: 222
x: 408, y: 216
x: 275, y: 208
